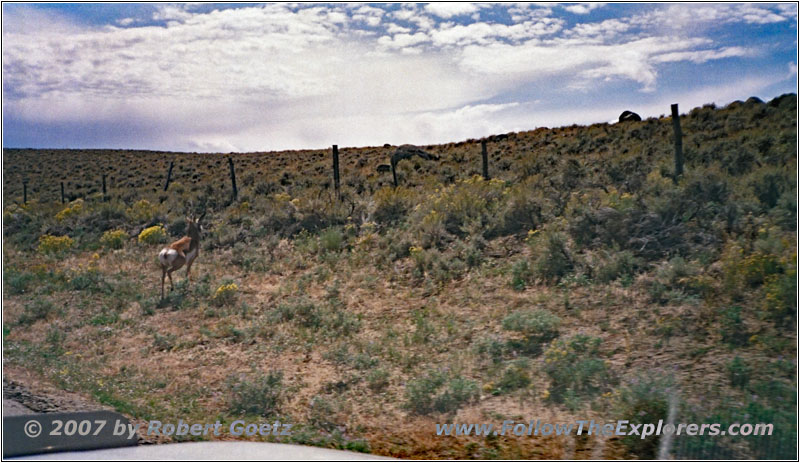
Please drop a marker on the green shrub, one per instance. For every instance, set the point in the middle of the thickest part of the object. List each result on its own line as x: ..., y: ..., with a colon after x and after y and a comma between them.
x: 780, y: 302
x: 523, y: 211
x: 21, y: 225
x: 535, y: 326
x: 321, y: 413
x: 73, y: 210
x: 17, y: 282
x: 738, y: 372
x: 92, y: 280
x: 114, y: 239
x: 378, y: 380
x: 331, y: 240
x: 732, y: 329
x: 302, y: 311
x: 54, y: 245
x: 392, y: 205
x: 38, y: 309
x: 645, y: 398
x: 142, y: 211
x: 674, y: 279
x: 494, y: 347
x: 439, y: 392
x: 615, y: 265
x: 164, y: 343
x: 225, y: 294
x: 330, y: 318
x: 553, y: 259
x: 261, y: 395
x: 575, y: 369
x: 458, y: 209
x: 521, y: 274
x: 153, y: 235
x: 769, y: 185
x: 514, y: 377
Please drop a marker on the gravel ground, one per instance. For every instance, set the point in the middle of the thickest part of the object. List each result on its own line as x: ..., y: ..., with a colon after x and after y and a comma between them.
x: 14, y: 408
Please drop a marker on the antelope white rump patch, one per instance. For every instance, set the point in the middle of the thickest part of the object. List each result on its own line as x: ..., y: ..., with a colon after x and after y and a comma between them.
x: 167, y: 256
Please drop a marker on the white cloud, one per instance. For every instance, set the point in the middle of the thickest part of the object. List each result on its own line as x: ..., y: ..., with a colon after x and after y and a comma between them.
x: 412, y: 14
x: 605, y: 30
x: 699, y: 18
x: 449, y: 34
x: 583, y: 8
x: 393, y: 28
x: 757, y: 15
x: 370, y: 15
x: 447, y: 10
x: 701, y: 56
x: 634, y: 60
x: 403, y: 40
x: 171, y: 12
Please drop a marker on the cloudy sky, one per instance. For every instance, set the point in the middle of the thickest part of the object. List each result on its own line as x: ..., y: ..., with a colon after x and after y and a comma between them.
x: 256, y: 77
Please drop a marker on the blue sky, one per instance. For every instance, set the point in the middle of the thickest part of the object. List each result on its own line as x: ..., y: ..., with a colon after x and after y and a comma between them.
x: 258, y: 77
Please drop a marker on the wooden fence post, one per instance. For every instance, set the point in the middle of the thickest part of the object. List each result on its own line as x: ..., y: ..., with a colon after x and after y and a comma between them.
x: 24, y: 192
x: 169, y: 175
x: 62, y: 193
x: 104, y: 187
x: 676, y: 125
x: 336, y: 170
x: 233, y: 179
x: 485, y: 156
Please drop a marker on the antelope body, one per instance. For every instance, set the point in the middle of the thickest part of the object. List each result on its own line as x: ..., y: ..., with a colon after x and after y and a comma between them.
x: 180, y: 253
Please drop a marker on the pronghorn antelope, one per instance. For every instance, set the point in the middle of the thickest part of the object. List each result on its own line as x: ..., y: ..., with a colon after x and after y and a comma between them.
x: 183, y: 251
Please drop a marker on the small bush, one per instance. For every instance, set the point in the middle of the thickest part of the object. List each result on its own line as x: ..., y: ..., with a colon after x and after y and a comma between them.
x: 495, y: 347
x: 460, y: 208
x: 114, y: 239
x: 331, y: 240
x: 321, y: 413
x: 732, y: 329
x: 536, y: 327
x: 780, y: 303
x: 261, y: 395
x: 645, y: 399
x: 73, y: 210
x: 153, y: 235
x: 552, y: 260
x: 38, y: 309
x: 439, y: 392
x: 329, y: 318
x: 514, y: 377
x: 142, y: 211
x: 226, y: 294
x: 617, y: 265
x: 378, y: 379
x: 522, y: 211
x: 17, y: 282
x: 54, y: 245
x: 738, y: 372
x: 575, y: 369
x: 674, y: 279
x: 769, y: 185
x: 392, y: 205
x: 521, y: 274
x: 303, y: 312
